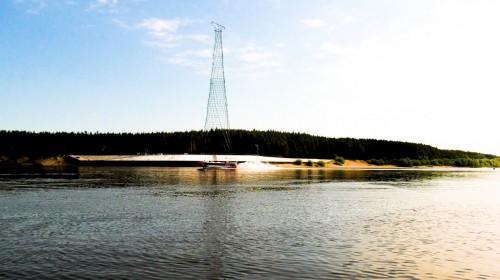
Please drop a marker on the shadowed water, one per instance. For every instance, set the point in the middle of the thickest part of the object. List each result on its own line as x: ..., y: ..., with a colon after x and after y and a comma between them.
x: 108, y: 223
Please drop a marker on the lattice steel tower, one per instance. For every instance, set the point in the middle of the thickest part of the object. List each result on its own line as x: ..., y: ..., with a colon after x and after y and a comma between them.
x: 217, y: 113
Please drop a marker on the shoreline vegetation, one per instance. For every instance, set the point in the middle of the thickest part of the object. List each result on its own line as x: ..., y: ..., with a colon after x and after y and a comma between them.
x: 62, y: 161
x: 52, y: 149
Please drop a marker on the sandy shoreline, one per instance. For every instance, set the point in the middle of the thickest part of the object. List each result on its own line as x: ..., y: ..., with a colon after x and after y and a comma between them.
x: 276, y: 161
x: 348, y: 164
x: 61, y: 161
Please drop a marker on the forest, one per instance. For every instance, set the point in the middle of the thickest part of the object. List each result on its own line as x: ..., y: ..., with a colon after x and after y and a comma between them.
x: 15, y: 144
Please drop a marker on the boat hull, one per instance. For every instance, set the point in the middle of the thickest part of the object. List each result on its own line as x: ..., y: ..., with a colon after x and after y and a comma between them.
x: 218, y: 165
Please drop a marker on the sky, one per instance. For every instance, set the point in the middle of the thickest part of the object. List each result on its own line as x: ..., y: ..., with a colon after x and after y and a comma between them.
x: 421, y: 71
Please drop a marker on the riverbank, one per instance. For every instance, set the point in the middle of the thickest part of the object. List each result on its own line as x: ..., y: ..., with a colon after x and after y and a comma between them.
x: 173, y: 160
x: 187, y: 160
x: 24, y: 161
x: 348, y: 164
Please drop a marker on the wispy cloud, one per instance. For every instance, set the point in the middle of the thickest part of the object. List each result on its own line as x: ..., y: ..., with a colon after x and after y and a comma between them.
x: 32, y: 6
x: 328, y: 48
x: 160, y: 28
x: 107, y: 2
x: 317, y: 23
x: 35, y: 6
x: 196, y: 59
x: 424, y: 59
x: 163, y: 32
x: 314, y: 22
x: 188, y: 50
x: 347, y: 19
x: 256, y: 62
x: 110, y: 6
x: 122, y: 24
x: 195, y: 50
x: 258, y: 57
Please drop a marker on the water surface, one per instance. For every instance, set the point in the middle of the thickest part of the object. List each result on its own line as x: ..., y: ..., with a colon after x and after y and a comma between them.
x: 104, y: 222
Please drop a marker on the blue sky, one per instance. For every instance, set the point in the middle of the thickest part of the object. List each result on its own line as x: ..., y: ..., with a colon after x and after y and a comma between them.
x: 419, y: 71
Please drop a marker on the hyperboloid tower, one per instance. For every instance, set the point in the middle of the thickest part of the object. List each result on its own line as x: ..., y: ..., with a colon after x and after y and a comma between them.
x: 217, y: 113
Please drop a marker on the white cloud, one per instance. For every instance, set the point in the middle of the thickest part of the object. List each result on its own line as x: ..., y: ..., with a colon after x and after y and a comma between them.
x: 199, y: 38
x: 160, y: 27
x: 442, y: 65
x: 258, y: 57
x: 347, y: 19
x: 109, y: 6
x: 164, y: 32
x: 187, y: 50
x: 314, y: 22
x: 317, y: 23
x: 107, y: 2
x: 32, y: 6
x: 329, y: 48
x: 162, y: 45
x: 257, y: 63
x: 121, y: 23
x: 199, y: 60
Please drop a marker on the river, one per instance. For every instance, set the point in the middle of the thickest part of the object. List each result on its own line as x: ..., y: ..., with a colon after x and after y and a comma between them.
x: 164, y: 223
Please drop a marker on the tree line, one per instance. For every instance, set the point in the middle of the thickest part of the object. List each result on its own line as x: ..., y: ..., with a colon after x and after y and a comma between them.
x: 269, y: 143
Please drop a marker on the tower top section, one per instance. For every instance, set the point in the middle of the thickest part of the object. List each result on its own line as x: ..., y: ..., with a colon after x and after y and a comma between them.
x: 217, y: 27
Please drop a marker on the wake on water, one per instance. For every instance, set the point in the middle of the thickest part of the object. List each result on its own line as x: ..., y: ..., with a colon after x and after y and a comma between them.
x: 256, y: 166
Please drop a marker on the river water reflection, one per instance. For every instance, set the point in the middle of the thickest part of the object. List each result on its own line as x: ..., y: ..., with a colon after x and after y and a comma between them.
x: 104, y: 222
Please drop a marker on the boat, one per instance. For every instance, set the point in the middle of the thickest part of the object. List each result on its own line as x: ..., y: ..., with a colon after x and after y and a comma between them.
x: 218, y: 164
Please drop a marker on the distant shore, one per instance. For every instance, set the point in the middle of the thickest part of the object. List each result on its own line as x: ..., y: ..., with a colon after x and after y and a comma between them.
x: 192, y: 159
x: 62, y: 161
x: 186, y: 149
x: 348, y: 164
x: 189, y: 161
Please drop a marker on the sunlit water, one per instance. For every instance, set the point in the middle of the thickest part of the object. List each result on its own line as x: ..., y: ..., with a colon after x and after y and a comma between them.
x: 101, y: 222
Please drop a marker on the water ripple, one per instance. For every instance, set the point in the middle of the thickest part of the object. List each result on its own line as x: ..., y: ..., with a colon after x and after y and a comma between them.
x: 177, y: 223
